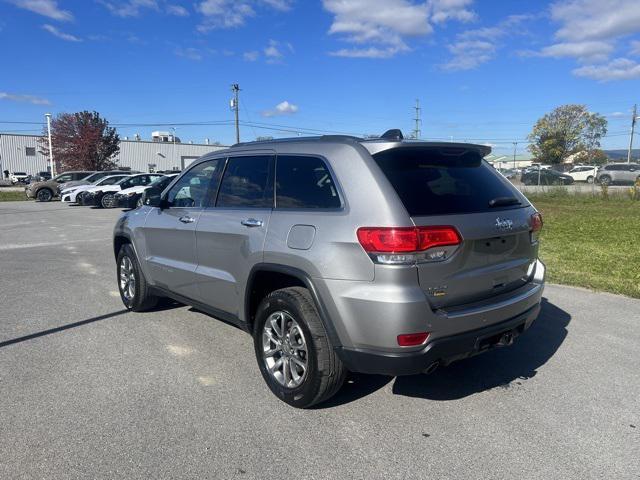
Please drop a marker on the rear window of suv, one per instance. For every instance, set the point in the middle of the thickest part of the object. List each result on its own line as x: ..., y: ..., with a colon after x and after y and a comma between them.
x: 443, y: 181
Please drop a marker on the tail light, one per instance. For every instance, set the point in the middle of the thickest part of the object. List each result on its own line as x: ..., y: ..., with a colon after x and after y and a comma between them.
x: 535, y: 223
x: 406, y: 245
x: 412, y: 339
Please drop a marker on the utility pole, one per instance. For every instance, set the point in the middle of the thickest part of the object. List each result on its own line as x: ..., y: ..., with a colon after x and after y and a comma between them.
x: 51, y: 166
x: 633, y: 127
x: 235, y: 106
x: 515, y: 146
x: 416, y: 131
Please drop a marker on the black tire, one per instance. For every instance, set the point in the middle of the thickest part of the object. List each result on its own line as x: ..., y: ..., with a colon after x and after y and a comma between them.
x: 590, y: 179
x: 79, y: 198
x: 605, y: 180
x: 139, y: 202
x: 325, y: 372
x: 141, y: 299
x: 44, y: 195
x: 107, y: 200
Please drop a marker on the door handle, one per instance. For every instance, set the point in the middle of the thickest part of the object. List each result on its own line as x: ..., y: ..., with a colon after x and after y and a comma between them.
x: 251, y: 222
x: 187, y: 219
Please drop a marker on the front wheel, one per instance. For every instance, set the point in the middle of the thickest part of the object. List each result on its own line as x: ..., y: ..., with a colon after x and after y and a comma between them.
x: 294, y: 354
x: 590, y: 179
x: 605, y: 180
x: 132, y: 285
x: 44, y: 195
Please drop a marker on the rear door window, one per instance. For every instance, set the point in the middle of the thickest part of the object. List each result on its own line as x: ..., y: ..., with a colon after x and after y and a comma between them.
x: 247, y: 182
x: 304, y: 182
x: 444, y: 181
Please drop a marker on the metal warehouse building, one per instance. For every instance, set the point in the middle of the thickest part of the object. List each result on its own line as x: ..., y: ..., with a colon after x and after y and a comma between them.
x: 19, y: 153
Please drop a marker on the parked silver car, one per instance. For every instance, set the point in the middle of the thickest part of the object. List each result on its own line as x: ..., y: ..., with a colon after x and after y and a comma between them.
x: 341, y: 254
x: 621, y: 173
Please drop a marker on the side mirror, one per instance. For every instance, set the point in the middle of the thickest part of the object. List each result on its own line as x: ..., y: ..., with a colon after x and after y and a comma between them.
x: 153, y: 197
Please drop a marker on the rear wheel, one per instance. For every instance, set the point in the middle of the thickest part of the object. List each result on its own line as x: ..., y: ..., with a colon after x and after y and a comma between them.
x: 590, y: 179
x: 44, y: 195
x: 294, y: 354
x: 605, y: 180
x: 132, y: 285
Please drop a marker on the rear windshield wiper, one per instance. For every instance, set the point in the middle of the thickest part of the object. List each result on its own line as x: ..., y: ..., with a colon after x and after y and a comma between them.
x: 504, y: 201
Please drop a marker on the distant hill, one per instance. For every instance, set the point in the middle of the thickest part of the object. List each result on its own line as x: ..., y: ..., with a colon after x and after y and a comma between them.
x: 617, y: 155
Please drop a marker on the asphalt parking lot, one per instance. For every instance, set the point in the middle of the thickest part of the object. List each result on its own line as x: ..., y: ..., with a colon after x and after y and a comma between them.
x: 88, y: 390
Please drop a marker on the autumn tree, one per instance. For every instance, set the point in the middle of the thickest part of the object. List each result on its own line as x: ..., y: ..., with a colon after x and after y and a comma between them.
x: 82, y: 141
x: 567, y: 130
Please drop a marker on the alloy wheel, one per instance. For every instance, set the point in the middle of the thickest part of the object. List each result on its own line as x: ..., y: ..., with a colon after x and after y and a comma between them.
x: 284, y: 350
x: 127, y: 278
x: 44, y: 195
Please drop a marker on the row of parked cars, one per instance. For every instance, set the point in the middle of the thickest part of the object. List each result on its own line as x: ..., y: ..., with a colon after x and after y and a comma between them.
x: 105, y: 189
x: 610, y: 174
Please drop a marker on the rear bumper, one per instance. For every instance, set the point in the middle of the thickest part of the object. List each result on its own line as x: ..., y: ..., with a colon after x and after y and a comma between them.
x: 369, y: 325
x: 441, y: 351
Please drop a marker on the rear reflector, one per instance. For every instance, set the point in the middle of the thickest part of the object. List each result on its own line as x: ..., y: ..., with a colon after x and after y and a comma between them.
x: 412, y: 339
x: 406, y: 239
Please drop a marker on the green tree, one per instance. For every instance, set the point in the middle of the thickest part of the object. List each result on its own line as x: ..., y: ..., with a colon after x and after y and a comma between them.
x: 82, y: 141
x: 567, y: 130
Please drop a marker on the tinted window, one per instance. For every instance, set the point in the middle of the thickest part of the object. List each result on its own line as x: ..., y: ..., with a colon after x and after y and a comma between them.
x: 197, y: 187
x: 304, y: 182
x: 111, y: 180
x: 247, y: 183
x: 64, y: 178
x: 430, y: 182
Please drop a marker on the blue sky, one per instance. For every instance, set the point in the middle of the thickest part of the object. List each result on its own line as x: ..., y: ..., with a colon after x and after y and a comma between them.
x: 483, y: 70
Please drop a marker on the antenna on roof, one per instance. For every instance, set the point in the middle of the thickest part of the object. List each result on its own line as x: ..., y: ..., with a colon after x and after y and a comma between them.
x: 393, y: 134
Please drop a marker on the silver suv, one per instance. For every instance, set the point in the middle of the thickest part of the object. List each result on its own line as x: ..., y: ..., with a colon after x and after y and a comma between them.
x: 341, y: 254
x: 618, y: 173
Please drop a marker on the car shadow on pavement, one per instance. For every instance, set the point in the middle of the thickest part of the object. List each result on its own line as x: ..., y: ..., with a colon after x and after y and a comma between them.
x: 501, y: 367
x: 61, y: 328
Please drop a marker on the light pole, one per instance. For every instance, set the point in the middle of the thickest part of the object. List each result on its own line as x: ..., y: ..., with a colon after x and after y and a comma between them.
x: 174, y: 146
x: 634, y: 117
x: 515, y: 146
x: 53, y: 173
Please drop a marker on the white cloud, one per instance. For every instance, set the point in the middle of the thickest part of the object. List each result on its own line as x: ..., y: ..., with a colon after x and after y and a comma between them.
x: 589, y: 31
x: 596, y: 19
x: 472, y: 48
x: 47, y: 8
x: 251, y: 56
x: 617, y: 69
x: 369, y: 52
x: 130, y: 8
x: 15, y: 97
x: 593, y: 51
x: 444, y: 10
x: 177, y: 10
x: 57, y: 33
x: 283, y: 108
x: 275, y: 51
x: 189, y: 53
x: 380, y: 28
x: 282, y: 5
x: 377, y: 25
x: 233, y: 13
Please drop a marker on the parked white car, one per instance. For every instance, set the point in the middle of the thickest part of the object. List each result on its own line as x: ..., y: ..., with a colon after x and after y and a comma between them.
x: 18, y: 177
x: 583, y: 173
x: 74, y: 194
